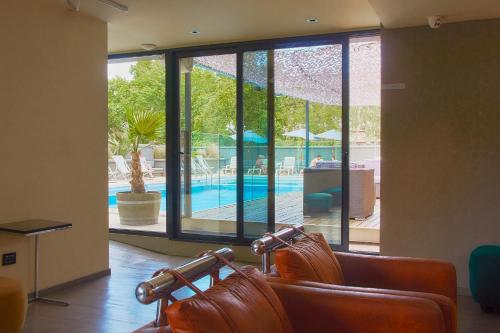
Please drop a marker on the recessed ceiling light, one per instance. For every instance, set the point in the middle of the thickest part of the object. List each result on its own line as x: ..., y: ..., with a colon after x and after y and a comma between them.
x: 312, y: 20
x: 148, y: 46
x: 195, y: 32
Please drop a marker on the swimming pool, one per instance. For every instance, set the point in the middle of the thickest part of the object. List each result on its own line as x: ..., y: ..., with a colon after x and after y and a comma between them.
x: 208, y: 194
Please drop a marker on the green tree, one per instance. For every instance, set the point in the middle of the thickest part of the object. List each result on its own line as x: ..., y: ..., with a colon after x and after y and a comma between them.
x: 213, y: 108
x: 145, y: 91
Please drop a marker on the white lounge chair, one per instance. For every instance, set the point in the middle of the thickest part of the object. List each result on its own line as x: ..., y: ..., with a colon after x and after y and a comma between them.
x: 112, y: 174
x: 147, y: 169
x: 195, y: 168
x: 287, y: 166
x: 121, y: 166
x: 204, y: 165
x: 231, y: 167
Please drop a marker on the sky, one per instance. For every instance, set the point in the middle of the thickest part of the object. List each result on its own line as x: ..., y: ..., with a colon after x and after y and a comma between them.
x: 120, y: 69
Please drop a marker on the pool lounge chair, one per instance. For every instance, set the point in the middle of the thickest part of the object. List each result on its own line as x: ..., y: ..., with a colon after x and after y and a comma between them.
x: 204, y: 165
x: 231, y: 167
x: 112, y: 174
x: 196, y: 169
x: 121, y: 167
x: 147, y: 169
x: 288, y: 166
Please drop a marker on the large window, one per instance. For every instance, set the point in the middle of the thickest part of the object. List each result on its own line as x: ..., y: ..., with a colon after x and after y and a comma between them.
x: 260, y: 135
x: 136, y: 123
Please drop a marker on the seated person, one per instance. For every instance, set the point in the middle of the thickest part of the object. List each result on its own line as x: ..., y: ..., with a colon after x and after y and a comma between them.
x: 315, y: 161
x: 260, y: 163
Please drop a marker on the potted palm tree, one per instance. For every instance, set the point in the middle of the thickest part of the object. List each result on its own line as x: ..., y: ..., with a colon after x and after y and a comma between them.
x: 139, y: 207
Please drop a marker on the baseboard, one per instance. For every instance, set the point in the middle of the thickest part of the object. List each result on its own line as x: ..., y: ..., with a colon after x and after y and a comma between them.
x: 73, y: 283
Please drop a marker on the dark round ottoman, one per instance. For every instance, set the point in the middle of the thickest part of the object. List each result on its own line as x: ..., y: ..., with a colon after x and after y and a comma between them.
x: 317, y: 202
x: 484, y: 279
x: 336, y: 193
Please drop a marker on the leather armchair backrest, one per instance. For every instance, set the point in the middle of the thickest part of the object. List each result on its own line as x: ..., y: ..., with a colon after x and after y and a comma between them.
x: 235, y: 304
x: 309, y: 259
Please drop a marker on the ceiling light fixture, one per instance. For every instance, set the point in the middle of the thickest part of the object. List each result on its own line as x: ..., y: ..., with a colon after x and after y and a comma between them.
x: 312, y: 20
x: 115, y: 5
x: 149, y: 46
x: 74, y: 4
x: 195, y: 32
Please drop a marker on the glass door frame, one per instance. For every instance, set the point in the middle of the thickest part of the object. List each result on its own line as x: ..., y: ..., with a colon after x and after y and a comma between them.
x: 173, y: 125
x: 172, y: 59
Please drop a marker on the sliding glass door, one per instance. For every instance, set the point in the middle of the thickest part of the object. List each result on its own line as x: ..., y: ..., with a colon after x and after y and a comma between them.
x: 308, y: 138
x: 261, y: 141
x: 207, y: 137
x: 255, y: 142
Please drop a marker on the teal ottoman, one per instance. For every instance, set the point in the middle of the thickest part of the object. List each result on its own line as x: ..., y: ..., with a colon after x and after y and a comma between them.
x: 336, y: 193
x: 484, y: 279
x: 317, y: 202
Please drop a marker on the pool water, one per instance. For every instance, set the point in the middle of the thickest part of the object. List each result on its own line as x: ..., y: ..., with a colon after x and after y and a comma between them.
x: 207, y: 194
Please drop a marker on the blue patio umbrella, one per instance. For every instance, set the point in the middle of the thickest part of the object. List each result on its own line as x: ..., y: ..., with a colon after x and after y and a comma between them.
x: 251, y: 136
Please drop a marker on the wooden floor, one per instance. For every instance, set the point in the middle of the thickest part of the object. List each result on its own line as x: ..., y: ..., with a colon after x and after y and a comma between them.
x: 109, y: 305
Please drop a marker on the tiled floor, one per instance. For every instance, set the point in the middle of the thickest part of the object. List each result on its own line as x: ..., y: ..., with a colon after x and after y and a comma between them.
x: 108, y: 304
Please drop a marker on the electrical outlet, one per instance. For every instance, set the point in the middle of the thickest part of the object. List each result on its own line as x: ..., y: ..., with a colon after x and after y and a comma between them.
x: 9, y: 258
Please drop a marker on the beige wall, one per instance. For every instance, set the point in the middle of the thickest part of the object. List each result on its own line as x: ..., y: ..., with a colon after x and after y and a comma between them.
x: 53, y: 133
x: 441, y: 141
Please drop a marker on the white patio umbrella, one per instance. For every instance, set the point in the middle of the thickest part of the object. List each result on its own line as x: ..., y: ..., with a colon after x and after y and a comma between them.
x: 301, y: 133
x: 330, y: 135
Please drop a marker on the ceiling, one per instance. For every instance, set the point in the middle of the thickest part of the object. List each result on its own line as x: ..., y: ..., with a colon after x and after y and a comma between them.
x: 407, y: 13
x: 168, y: 23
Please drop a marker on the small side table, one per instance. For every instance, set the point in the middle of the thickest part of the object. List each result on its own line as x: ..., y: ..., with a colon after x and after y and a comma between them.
x: 35, y: 228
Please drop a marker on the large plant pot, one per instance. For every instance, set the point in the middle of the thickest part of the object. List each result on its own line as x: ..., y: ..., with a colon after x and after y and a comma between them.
x: 138, y: 208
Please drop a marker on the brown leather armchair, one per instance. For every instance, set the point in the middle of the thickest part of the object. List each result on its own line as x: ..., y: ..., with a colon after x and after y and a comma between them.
x: 427, y: 279
x: 399, y: 273
x: 311, y: 309
x: 328, y: 310
x: 305, y: 262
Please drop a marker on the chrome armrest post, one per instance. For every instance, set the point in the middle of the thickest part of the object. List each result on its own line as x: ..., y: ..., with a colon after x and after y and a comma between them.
x: 266, y: 262
x: 161, y: 315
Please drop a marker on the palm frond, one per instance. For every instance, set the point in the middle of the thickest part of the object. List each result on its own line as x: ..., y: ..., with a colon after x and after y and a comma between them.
x: 144, y: 125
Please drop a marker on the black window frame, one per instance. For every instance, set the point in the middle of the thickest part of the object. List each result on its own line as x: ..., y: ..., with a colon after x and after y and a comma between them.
x: 171, y: 56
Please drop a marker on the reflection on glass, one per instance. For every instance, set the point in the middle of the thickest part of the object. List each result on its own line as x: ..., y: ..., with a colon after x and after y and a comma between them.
x: 136, y: 92
x: 208, y: 143
x: 255, y: 145
x: 308, y: 104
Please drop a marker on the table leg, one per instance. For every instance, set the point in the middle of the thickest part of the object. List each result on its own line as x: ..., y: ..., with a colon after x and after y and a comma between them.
x: 36, y: 297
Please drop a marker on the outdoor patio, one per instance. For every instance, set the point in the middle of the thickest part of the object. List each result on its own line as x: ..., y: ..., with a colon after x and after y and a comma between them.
x: 364, y: 233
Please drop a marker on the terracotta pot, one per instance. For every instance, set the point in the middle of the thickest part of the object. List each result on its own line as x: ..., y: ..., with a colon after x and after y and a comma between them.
x: 138, y: 208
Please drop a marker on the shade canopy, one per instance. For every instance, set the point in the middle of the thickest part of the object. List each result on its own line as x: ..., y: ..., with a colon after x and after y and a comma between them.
x: 301, y: 133
x: 310, y: 73
x: 330, y: 135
